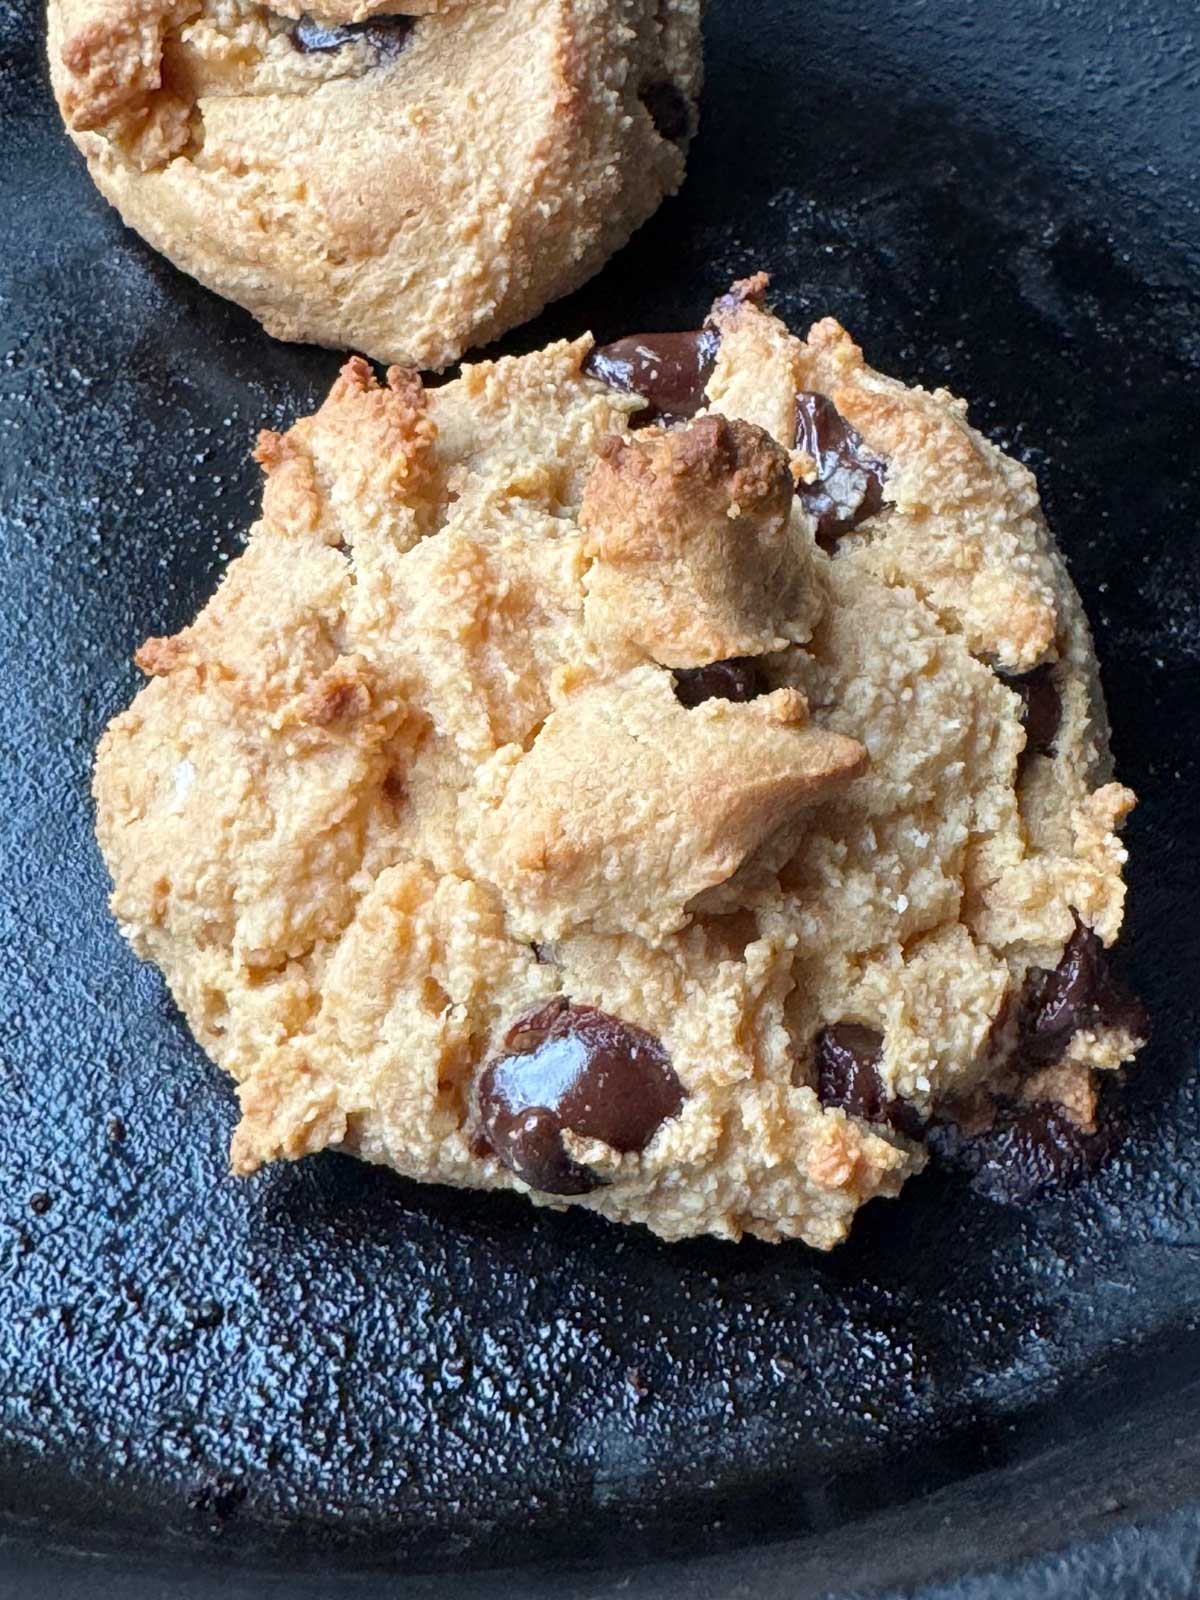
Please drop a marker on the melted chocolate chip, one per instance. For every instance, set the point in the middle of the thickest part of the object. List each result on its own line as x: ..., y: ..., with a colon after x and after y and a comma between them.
x: 848, y: 487
x: 669, y: 110
x: 669, y: 370
x: 848, y: 1056
x: 387, y: 36
x: 1027, y: 1150
x: 1041, y: 707
x: 738, y: 678
x: 847, y: 1070
x: 573, y: 1067
x: 1081, y: 992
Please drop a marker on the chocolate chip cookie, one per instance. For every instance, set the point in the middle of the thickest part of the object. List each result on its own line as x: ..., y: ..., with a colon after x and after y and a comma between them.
x: 405, y: 177
x: 670, y: 779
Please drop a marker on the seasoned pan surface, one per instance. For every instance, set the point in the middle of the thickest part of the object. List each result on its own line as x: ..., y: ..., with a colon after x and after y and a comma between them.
x: 326, y: 1365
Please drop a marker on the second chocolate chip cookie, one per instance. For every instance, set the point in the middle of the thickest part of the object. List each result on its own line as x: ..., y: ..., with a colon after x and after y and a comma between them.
x: 406, y: 178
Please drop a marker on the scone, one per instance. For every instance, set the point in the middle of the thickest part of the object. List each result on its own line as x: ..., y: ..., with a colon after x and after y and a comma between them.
x: 669, y: 779
x: 405, y: 177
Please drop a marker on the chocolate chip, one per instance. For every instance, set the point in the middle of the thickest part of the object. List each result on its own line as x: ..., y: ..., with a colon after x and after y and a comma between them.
x: 669, y: 370
x: 1081, y: 992
x: 1041, y: 708
x: 40, y: 1202
x: 848, y: 487
x: 847, y: 1070
x: 387, y: 36
x: 738, y: 678
x: 1027, y: 1150
x: 573, y: 1067
x: 669, y: 110
x: 848, y: 1056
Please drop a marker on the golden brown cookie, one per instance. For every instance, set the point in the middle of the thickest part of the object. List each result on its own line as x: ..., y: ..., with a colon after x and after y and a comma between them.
x: 669, y: 779
x: 405, y: 177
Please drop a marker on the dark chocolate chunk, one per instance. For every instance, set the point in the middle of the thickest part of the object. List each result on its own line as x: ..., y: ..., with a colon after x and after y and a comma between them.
x: 668, y: 108
x: 387, y: 36
x: 905, y: 1118
x: 847, y: 1070
x: 573, y: 1067
x: 669, y: 370
x: 738, y: 678
x: 1041, y: 708
x: 1081, y: 992
x: 848, y: 1056
x: 1027, y: 1150
x: 848, y: 487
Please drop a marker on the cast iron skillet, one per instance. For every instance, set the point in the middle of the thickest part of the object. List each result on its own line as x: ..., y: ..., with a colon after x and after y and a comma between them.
x: 209, y: 1386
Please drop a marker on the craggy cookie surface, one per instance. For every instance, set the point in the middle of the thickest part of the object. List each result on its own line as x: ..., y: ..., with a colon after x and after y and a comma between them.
x: 671, y: 779
x: 404, y: 177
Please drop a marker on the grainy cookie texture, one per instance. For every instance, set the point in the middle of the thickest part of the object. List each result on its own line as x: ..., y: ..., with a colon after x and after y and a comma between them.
x: 404, y: 177
x: 669, y: 779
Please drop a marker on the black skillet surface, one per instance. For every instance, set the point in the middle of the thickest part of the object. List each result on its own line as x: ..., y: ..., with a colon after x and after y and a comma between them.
x: 329, y: 1368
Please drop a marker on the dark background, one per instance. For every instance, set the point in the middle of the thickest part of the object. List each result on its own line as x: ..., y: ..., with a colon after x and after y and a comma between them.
x: 327, y: 1368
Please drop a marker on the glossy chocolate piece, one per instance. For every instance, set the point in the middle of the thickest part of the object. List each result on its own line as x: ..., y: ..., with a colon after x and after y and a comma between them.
x: 739, y: 678
x: 1041, y: 708
x: 1027, y: 1150
x: 1081, y: 992
x: 848, y: 1056
x: 848, y: 487
x: 387, y: 36
x: 573, y: 1067
x: 669, y: 370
